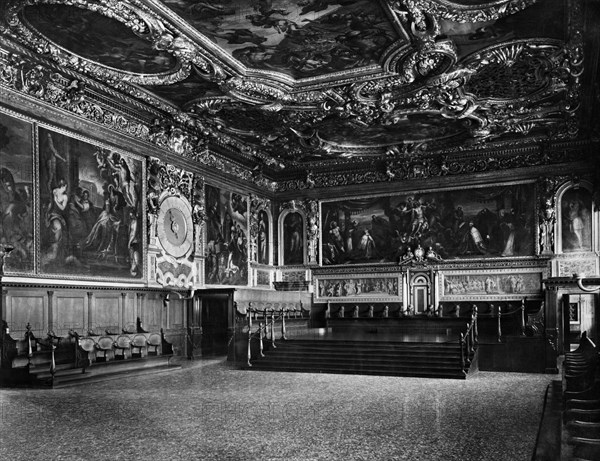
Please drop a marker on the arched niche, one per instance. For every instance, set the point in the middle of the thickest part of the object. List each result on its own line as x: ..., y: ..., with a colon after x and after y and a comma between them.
x: 292, y: 237
x: 264, y: 237
x: 576, y: 223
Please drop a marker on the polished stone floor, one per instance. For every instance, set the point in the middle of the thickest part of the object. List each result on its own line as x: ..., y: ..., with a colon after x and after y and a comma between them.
x: 211, y: 411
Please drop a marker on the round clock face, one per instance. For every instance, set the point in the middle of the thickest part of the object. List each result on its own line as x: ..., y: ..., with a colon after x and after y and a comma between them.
x: 174, y: 226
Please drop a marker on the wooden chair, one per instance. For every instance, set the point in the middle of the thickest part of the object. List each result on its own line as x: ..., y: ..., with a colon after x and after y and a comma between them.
x: 104, y: 345
x: 122, y: 344
x: 138, y: 343
x: 154, y: 341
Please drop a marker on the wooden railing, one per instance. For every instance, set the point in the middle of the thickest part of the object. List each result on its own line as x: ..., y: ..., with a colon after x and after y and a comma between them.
x: 266, y: 328
x: 468, y: 340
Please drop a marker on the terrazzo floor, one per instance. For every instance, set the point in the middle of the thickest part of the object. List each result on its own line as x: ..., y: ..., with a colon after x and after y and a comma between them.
x: 211, y: 411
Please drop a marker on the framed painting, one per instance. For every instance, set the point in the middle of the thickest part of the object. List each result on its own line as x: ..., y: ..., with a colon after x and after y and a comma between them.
x: 491, y: 284
x: 359, y: 288
x: 226, y: 237
x: 482, y: 222
x: 263, y: 244
x: 17, y: 193
x: 576, y: 220
x: 293, y: 239
x: 91, y: 209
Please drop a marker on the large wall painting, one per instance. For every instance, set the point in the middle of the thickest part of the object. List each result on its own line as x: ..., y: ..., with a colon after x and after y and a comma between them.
x: 16, y: 192
x: 474, y: 223
x: 576, y: 220
x: 91, y: 212
x: 227, y: 237
x: 491, y: 285
x: 358, y: 288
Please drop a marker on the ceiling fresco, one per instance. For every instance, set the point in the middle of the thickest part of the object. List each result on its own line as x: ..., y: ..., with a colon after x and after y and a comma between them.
x: 98, y: 38
x: 298, y: 38
x: 294, y: 87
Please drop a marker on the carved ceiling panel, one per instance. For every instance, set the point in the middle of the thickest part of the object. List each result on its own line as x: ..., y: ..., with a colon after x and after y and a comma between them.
x: 294, y: 86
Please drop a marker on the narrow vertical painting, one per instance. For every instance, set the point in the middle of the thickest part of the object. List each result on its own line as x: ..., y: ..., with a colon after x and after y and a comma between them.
x: 226, y: 237
x: 293, y: 239
x: 16, y: 193
x: 263, y: 238
x: 576, y: 212
x: 91, y: 215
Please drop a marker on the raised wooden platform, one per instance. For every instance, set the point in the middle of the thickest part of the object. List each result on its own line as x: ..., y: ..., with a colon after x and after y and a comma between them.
x: 419, y: 359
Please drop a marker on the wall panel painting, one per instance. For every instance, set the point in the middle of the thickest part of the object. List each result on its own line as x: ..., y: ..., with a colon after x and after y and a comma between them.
x: 358, y: 288
x: 263, y: 237
x: 16, y: 193
x: 293, y: 240
x: 576, y: 222
x: 492, y: 284
x: 227, y: 237
x: 474, y: 223
x: 91, y: 215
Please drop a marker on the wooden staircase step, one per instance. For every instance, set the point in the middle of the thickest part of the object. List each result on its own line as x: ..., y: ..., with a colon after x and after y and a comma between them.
x: 102, y: 371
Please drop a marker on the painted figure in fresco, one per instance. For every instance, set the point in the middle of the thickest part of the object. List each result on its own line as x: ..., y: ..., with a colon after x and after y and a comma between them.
x: 56, y: 223
x: 575, y: 226
x: 103, y: 235
x: 335, y: 237
x: 351, y: 236
x: 15, y: 218
x: 294, y: 244
x: 472, y: 241
x: 367, y: 245
x: 262, y: 240
x: 51, y: 163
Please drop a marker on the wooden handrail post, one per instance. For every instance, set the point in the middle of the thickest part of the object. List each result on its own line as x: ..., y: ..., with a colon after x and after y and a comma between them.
x: 283, y: 325
x: 29, y: 347
x: 523, y: 317
x: 461, y: 342
x: 476, y: 332
x: 249, y: 339
x: 499, y: 323
x: 260, y: 338
x: 273, y: 329
x: 468, y: 346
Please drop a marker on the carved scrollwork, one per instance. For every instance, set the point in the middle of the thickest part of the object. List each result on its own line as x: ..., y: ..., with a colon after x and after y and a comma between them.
x: 164, y: 177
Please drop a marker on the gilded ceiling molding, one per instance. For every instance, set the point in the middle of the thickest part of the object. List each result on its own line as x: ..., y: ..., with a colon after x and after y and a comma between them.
x: 402, y: 166
x: 459, y: 12
x: 144, y: 24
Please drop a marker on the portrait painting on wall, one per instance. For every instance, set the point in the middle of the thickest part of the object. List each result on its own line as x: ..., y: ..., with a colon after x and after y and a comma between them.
x: 16, y: 193
x: 293, y: 239
x: 474, y: 223
x: 263, y: 237
x: 226, y: 237
x: 91, y: 212
x: 576, y: 213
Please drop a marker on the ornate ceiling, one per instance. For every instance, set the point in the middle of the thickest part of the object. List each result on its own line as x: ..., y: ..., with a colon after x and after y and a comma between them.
x: 287, y: 88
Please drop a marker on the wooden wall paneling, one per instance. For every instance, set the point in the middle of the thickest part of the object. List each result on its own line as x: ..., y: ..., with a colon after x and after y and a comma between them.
x: 175, y: 314
x: 24, y: 308
x: 107, y: 311
x: 128, y: 310
x: 152, y: 312
x: 70, y: 312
